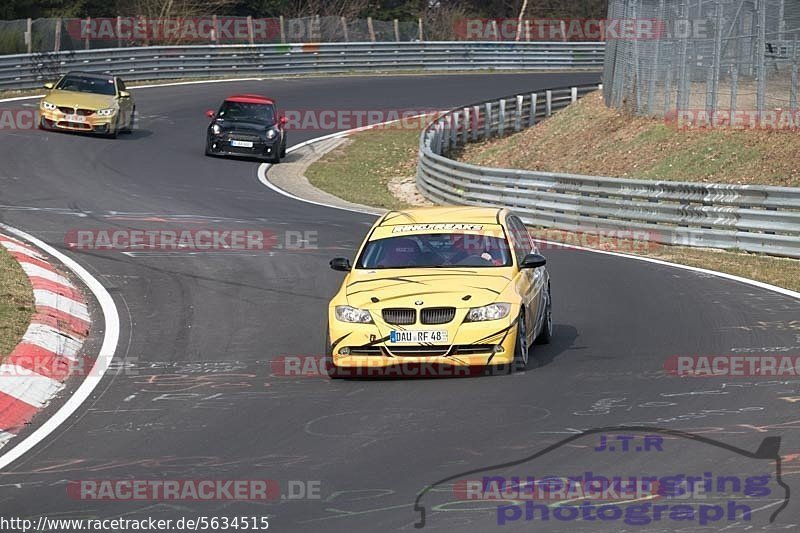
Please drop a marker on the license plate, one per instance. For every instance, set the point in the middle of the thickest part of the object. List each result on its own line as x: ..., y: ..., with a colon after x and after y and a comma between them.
x: 242, y: 144
x: 418, y: 336
x: 74, y: 118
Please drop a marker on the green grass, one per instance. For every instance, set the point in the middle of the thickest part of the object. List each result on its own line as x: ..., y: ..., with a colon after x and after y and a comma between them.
x: 16, y: 303
x: 360, y: 170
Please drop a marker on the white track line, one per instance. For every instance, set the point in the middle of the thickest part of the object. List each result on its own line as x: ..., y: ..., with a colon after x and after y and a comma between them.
x: 103, y: 361
x: 262, y: 177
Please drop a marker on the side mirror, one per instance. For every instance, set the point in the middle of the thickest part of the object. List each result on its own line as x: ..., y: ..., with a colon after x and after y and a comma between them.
x: 210, y: 114
x: 341, y: 263
x: 124, y: 94
x: 533, y: 261
x: 49, y: 86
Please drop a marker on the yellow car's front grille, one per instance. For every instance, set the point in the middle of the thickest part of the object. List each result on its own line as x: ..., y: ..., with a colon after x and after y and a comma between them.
x: 437, y: 315
x: 76, y: 111
x: 400, y: 316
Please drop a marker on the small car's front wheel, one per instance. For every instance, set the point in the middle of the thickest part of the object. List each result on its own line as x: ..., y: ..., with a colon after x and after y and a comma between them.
x: 521, y: 346
x: 547, y: 324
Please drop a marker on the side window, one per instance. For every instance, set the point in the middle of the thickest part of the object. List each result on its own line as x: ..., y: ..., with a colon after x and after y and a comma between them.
x: 519, y: 238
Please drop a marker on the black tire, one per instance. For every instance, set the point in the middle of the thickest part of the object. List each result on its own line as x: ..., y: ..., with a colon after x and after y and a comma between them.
x: 546, y: 334
x: 521, y: 347
x: 42, y: 125
x: 283, y: 148
x: 131, y: 123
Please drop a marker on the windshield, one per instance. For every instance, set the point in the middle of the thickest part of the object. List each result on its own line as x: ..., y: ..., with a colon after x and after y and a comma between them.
x: 247, y: 112
x: 86, y: 84
x: 436, y: 250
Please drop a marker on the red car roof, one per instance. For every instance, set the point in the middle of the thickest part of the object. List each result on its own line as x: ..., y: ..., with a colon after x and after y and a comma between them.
x: 250, y: 99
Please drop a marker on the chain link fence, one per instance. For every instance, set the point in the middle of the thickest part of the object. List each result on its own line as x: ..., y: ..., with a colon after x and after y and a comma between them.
x: 54, y: 35
x: 711, y: 57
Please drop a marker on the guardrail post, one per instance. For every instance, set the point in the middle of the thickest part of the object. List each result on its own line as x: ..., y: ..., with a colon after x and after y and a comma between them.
x: 317, y: 29
x: 518, y: 115
x: 250, y: 36
x: 371, y: 29
x: 214, y: 28
x: 57, y: 44
x: 119, y: 32
x: 454, y: 131
x: 501, y: 118
x: 476, y: 115
x: 143, y: 22
x: 419, y: 27
x: 440, y: 138
x: 548, y: 103
x: 283, y: 29
x: 532, y: 119
x: 574, y: 94
x: 396, y: 30
x: 487, y: 121
x: 344, y: 30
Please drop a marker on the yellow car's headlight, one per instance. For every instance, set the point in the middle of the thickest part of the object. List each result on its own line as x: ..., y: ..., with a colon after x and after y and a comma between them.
x: 488, y: 312
x: 106, y: 112
x: 49, y: 106
x: 345, y: 313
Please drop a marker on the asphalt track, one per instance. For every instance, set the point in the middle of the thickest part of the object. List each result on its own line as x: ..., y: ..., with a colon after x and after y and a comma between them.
x: 197, y: 398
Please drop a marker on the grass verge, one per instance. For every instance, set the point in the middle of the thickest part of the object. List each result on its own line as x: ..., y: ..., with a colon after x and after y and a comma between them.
x: 16, y: 303
x: 359, y: 171
x: 589, y: 138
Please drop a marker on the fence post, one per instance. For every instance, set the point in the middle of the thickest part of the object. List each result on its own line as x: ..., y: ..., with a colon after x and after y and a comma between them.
x: 467, y: 125
x: 57, y: 44
x: 86, y: 36
x: 495, y: 31
x: 734, y: 88
x: 396, y: 30
x: 419, y: 27
x: 454, y: 131
x: 119, y: 32
x: 548, y: 103
x: 518, y: 114
x: 476, y: 114
x: 574, y: 94
x: 717, y: 59
x: 761, y: 48
x: 283, y: 29
x: 371, y: 29
x: 793, y: 89
x: 487, y: 121
x: 29, y: 36
x: 501, y: 118
x: 214, y: 32
x: 317, y: 29
x: 532, y: 119
x: 146, y: 31
x: 250, y: 36
x: 344, y: 30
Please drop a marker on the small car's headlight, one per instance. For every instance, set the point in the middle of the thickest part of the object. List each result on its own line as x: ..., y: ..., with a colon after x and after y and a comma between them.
x: 49, y: 106
x: 345, y: 313
x: 106, y: 112
x: 488, y: 312
x: 215, y: 129
x: 272, y: 133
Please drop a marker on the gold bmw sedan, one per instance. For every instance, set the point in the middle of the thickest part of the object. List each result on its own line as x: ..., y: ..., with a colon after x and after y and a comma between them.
x: 89, y: 103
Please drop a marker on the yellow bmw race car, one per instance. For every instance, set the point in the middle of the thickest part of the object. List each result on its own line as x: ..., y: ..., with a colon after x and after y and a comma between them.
x: 440, y: 291
x: 90, y: 103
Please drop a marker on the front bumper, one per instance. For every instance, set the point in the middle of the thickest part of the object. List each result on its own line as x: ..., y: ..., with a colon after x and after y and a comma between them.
x: 360, y: 347
x: 262, y: 148
x: 57, y: 120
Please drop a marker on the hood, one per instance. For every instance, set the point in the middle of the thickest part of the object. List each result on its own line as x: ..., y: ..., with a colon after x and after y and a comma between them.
x: 82, y: 100
x: 436, y: 287
x: 258, y: 128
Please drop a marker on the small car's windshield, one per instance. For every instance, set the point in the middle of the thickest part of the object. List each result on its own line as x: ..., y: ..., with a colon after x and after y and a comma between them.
x: 436, y: 250
x: 247, y: 112
x: 87, y: 84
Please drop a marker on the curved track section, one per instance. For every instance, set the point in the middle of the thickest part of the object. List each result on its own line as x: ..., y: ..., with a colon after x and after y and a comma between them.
x: 198, y: 397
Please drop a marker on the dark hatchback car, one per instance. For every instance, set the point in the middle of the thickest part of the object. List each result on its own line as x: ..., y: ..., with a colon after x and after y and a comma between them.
x: 247, y: 125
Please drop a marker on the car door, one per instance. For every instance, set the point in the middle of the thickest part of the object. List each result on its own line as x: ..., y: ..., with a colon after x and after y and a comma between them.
x: 529, y: 281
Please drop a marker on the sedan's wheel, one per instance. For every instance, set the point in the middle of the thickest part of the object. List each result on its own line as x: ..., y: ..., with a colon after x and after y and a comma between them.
x: 283, y: 148
x: 131, y: 122
x: 547, y: 326
x: 521, y: 346
x: 114, y: 133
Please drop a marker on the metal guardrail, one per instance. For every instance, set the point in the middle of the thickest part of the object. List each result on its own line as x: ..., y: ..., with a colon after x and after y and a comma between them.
x: 747, y: 217
x: 169, y: 62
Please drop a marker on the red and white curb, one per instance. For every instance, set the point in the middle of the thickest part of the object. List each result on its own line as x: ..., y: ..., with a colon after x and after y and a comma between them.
x: 49, y: 352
